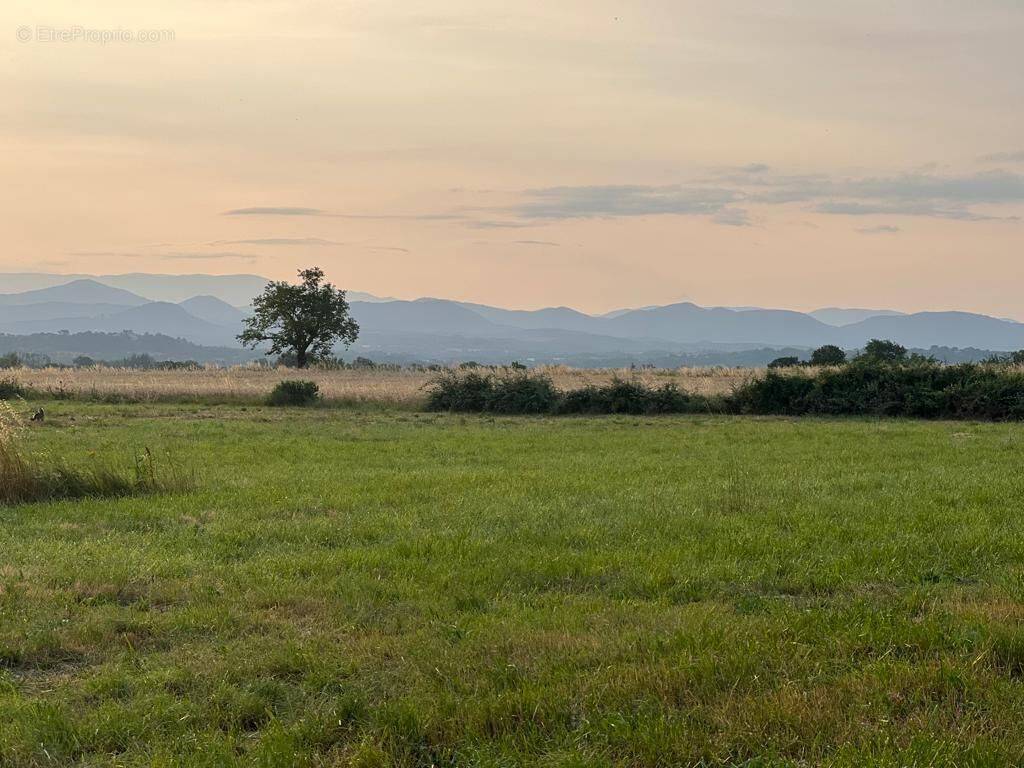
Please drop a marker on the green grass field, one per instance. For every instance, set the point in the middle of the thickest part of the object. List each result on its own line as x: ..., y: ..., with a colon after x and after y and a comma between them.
x: 376, y: 589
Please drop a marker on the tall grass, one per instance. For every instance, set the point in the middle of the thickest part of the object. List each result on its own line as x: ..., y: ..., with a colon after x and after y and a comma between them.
x: 251, y: 385
x: 27, y: 477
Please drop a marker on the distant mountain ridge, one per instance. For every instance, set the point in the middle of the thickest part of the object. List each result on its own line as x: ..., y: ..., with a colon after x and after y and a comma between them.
x: 432, y: 329
x: 80, y: 291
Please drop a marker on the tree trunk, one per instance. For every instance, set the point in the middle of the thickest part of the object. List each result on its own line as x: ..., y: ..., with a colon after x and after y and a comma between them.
x: 300, y: 358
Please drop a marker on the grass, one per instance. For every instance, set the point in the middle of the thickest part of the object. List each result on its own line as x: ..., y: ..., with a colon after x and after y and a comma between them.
x: 374, y: 588
x: 26, y: 477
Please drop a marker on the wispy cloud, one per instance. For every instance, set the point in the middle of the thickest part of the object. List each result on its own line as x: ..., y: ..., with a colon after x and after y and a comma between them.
x: 724, y: 197
x: 955, y: 197
x: 495, y: 224
x: 1003, y: 157
x: 733, y: 217
x: 622, y: 200
x: 548, y: 243
x: 882, y: 229
x: 318, y: 241
x: 274, y: 210
x: 854, y: 208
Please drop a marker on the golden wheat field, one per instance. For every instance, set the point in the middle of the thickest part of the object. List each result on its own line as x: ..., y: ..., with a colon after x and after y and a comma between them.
x: 405, y: 388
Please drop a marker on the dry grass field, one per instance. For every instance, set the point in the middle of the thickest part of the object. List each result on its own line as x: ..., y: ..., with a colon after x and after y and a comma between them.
x: 249, y: 384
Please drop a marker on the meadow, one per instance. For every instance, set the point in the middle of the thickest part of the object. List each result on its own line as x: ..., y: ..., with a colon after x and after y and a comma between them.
x: 378, y: 587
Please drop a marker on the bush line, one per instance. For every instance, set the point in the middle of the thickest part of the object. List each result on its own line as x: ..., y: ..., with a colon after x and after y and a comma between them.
x: 915, y: 388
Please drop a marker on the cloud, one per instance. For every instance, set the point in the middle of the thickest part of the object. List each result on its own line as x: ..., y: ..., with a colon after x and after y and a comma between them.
x: 294, y: 211
x: 898, y: 209
x: 387, y: 248
x: 279, y: 241
x: 910, y: 194
x: 724, y: 197
x: 882, y: 229
x: 1003, y: 157
x: 537, y: 242
x: 732, y: 217
x: 623, y: 200
x: 492, y: 224
x: 988, y: 187
x: 274, y: 211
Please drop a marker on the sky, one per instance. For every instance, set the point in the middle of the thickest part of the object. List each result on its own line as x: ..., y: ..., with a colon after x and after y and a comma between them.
x: 588, y: 153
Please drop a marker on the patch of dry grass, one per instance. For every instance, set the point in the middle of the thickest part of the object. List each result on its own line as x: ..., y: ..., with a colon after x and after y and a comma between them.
x: 252, y: 384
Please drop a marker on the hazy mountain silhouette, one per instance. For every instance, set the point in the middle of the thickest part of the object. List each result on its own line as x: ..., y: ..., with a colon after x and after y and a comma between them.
x: 562, y: 318
x: 444, y: 329
x: 84, y: 291
x: 155, y: 317
x: 236, y: 290
x: 925, y: 329
x: 54, y: 310
x: 839, y: 316
x: 213, y: 310
x: 688, y: 323
x: 436, y: 316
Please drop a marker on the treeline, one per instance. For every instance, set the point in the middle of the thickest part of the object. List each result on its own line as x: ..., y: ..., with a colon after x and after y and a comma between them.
x: 889, y: 351
x: 884, y: 380
x: 138, y: 362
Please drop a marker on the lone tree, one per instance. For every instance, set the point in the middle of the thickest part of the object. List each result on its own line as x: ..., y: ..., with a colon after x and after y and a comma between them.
x: 829, y: 354
x: 306, y: 319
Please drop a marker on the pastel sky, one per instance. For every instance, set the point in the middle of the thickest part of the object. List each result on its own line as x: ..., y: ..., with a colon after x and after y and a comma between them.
x: 590, y: 153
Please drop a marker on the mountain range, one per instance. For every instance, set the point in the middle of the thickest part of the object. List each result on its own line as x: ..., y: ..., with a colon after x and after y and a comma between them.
x: 209, y: 310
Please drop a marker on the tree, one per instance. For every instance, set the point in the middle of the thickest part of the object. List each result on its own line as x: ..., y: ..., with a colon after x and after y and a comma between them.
x: 784, y: 362
x: 829, y: 354
x: 882, y: 351
x: 306, y: 319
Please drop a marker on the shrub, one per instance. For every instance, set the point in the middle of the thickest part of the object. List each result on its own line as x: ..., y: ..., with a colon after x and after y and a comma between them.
x: 451, y: 391
x: 784, y: 362
x: 919, y: 388
x: 829, y: 354
x: 774, y: 393
x: 294, y: 392
x: 11, y: 389
x: 616, y: 397
x: 518, y: 392
x: 10, y: 360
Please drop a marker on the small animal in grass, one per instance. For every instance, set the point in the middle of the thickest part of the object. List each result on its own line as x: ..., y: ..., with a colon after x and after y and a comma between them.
x: 38, y: 416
